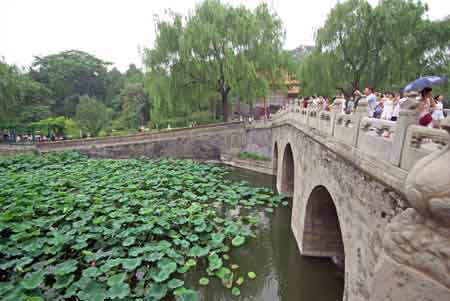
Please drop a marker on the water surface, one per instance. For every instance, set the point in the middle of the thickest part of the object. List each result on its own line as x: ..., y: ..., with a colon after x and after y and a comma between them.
x: 282, y: 273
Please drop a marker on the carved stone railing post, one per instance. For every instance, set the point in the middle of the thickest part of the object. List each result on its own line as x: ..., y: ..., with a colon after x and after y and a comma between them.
x: 336, y: 110
x: 416, y: 245
x: 407, y: 117
x: 360, y: 112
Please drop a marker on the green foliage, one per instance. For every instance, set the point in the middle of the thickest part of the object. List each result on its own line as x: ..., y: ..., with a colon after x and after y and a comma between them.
x: 68, y: 75
x: 55, y: 125
x: 92, y: 115
x: 385, y: 46
x: 71, y: 128
x: 74, y: 228
x: 252, y: 156
x: 22, y: 100
x: 198, y: 118
x: 203, y: 281
x: 135, y: 105
x: 216, y: 50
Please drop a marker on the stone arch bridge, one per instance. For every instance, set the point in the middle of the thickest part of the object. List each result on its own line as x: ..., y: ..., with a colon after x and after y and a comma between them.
x: 373, y: 193
x: 369, y: 192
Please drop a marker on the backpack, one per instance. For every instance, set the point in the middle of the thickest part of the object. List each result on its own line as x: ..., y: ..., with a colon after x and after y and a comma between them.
x: 378, y: 111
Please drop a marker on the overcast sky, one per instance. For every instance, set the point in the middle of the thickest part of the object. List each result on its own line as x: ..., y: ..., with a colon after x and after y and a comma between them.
x: 114, y: 30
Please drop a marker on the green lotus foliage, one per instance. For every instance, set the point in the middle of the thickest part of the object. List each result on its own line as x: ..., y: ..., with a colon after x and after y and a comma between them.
x: 78, y: 229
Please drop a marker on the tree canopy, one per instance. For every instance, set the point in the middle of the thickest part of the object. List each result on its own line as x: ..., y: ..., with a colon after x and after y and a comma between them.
x: 70, y: 74
x: 216, y: 50
x: 385, y: 46
x: 92, y: 115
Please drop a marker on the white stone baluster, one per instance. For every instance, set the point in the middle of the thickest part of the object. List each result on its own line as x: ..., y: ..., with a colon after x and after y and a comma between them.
x: 407, y: 117
x: 360, y: 112
x: 336, y: 110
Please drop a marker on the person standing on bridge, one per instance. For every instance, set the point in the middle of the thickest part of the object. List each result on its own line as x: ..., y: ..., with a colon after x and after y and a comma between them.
x: 371, y: 100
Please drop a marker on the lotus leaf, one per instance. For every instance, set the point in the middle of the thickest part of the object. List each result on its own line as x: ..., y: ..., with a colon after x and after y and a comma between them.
x: 66, y: 267
x: 236, y: 291
x: 128, y: 241
x: 175, y: 283
x: 215, y: 262
x: 119, y: 291
x: 203, y: 281
x: 239, y: 281
x: 33, y: 280
x: 238, y: 241
x: 184, y: 294
x: 90, y: 272
x: 87, y: 222
x: 116, y: 279
x: 131, y: 264
x: 157, y: 291
x: 94, y: 291
x: 63, y: 281
x: 34, y: 298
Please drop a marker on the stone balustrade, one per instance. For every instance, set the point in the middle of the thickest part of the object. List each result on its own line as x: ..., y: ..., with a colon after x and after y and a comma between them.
x: 376, y: 137
x: 420, y: 142
x: 346, y: 128
x: 402, y: 143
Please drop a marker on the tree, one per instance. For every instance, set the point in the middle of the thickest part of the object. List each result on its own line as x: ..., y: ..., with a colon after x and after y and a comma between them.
x: 345, y: 39
x: 385, y: 46
x: 114, y: 83
x: 92, y: 115
x: 69, y: 74
x: 135, y: 104
x: 217, y: 49
x: 22, y: 100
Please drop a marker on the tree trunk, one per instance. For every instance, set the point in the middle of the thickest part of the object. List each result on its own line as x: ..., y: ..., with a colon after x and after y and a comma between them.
x: 225, y: 106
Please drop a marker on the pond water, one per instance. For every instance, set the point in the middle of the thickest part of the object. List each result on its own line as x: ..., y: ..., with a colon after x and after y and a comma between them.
x: 282, y: 273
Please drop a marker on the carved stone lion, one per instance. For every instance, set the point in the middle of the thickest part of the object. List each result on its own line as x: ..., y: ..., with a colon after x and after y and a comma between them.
x: 428, y: 184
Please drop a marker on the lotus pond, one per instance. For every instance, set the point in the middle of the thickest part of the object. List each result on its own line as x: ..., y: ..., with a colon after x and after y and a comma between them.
x: 78, y: 229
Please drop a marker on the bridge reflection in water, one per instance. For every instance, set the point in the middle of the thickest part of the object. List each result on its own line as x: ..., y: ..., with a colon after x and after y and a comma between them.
x: 282, y: 273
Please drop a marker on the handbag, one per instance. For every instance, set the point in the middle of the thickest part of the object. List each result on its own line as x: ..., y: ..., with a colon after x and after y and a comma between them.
x: 426, y: 119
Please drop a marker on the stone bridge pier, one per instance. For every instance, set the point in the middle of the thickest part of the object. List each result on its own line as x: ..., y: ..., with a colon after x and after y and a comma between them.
x: 389, y: 225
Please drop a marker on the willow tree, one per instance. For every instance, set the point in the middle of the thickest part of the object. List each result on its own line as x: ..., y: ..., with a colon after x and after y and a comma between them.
x: 386, y: 46
x: 219, y: 48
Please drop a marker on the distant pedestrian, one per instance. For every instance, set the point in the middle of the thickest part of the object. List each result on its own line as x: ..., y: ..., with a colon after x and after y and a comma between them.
x: 396, y: 107
x: 424, y: 108
x: 388, y: 106
x: 438, y: 111
x: 371, y: 100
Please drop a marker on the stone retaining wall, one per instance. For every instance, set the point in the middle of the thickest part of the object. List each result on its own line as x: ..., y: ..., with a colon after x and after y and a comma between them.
x: 203, y: 142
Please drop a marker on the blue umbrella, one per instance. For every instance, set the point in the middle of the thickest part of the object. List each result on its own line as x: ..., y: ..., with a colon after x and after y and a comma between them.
x: 423, y: 82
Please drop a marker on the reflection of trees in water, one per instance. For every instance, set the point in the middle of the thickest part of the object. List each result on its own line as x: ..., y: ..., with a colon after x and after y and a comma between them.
x: 281, y: 273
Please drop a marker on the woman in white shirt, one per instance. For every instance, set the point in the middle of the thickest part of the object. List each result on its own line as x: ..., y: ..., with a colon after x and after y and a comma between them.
x: 388, y: 106
x: 396, y: 110
x: 438, y: 111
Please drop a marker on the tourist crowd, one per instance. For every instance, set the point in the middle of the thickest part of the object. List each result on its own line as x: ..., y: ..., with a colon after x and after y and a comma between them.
x: 384, y: 106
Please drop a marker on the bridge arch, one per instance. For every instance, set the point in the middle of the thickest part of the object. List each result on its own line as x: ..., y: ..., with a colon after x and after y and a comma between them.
x: 322, y: 235
x: 275, y: 158
x: 287, y: 171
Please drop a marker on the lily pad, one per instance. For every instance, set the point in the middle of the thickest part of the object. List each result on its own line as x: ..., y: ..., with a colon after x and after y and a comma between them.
x: 65, y: 267
x: 33, y: 280
x: 251, y: 275
x: 238, y: 241
x: 119, y: 290
x: 203, y: 281
x: 235, y: 291
x: 175, y: 283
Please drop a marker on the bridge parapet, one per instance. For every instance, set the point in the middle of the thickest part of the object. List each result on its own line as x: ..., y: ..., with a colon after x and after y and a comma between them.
x: 420, y: 142
x: 401, y: 143
x: 376, y: 137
